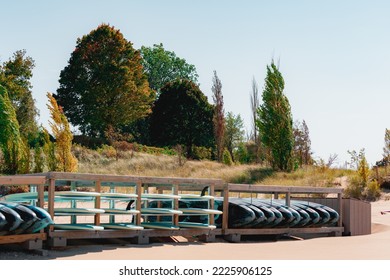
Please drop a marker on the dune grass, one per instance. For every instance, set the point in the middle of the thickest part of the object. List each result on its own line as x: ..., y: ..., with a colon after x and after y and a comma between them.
x: 142, y: 164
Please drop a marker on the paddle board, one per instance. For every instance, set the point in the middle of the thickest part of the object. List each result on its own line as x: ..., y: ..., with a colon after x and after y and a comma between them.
x: 154, y: 211
x: 122, y: 226
x: 200, y: 211
x: 77, y: 227
x: 77, y: 211
x: 160, y: 225
x: 120, y: 211
x: 196, y: 225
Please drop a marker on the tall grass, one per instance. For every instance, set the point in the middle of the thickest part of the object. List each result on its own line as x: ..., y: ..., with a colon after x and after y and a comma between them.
x: 142, y: 164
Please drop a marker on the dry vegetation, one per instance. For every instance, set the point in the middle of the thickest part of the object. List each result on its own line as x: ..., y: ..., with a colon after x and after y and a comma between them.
x: 142, y: 164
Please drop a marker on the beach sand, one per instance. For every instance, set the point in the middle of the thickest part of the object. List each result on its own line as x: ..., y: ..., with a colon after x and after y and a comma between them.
x: 375, y: 246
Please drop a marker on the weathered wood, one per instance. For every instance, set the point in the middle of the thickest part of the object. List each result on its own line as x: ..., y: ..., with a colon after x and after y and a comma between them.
x: 175, y: 190
x: 211, y: 203
x: 138, y: 203
x: 270, y: 231
x: 51, y: 191
x: 97, y: 202
x: 22, y: 180
x: 19, y: 238
x: 280, y: 189
x: 225, y: 214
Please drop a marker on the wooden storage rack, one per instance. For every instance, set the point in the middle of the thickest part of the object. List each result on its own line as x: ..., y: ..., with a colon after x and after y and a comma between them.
x: 139, y: 184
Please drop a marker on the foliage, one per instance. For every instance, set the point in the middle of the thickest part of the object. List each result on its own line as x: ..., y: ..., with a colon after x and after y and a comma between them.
x: 49, y: 151
x: 275, y: 120
x: 234, y: 133
x: 10, y: 140
x: 219, y: 116
x: 61, y: 131
x: 227, y: 159
x: 162, y: 66
x: 104, y: 83
x: 202, y: 153
x: 182, y: 115
x: 386, y: 148
x: 361, y: 186
x: 302, y: 143
x: 15, y: 76
x: 39, y: 160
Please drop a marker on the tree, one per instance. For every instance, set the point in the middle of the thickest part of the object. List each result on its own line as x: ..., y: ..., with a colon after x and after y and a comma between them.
x: 302, y: 143
x: 219, y: 116
x: 10, y: 140
x: 61, y: 131
x: 386, y: 148
x: 163, y: 66
x: 104, y: 83
x: 182, y: 116
x: 15, y: 76
x: 275, y: 120
x: 234, y: 133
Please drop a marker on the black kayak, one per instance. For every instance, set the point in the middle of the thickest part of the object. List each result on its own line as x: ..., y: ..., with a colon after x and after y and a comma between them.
x: 27, y: 215
x: 13, y: 219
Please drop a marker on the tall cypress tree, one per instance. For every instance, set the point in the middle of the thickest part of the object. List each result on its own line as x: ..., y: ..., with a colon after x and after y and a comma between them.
x: 11, y: 143
x: 275, y: 120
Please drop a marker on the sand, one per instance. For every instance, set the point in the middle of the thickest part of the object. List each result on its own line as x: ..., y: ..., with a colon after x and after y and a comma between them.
x: 375, y: 246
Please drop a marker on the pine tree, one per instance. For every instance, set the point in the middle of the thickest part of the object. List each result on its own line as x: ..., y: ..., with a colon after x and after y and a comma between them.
x: 61, y: 131
x: 275, y: 120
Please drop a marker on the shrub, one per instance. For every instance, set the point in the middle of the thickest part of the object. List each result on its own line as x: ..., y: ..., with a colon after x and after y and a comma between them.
x: 355, y: 188
x: 202, y: 153
x: 226, y: 158
x: 107, y: 151
x: 372, y: 191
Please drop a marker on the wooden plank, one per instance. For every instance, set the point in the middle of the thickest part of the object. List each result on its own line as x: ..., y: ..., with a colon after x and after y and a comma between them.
x: 51, y: 190
x: 340, y: 210
x: 138, y: 203
x: 211, y: 203
x: 270, y: 231
x: 22, y: 180
x: 98, y: 189
x: 8, y: 239
x: 175, y: 190
x: 225, y: 208
x: 280, y: 189
x: 41, y: 196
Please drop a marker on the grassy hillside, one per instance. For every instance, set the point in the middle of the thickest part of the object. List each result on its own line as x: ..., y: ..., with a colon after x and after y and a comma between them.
x: 142, y: 164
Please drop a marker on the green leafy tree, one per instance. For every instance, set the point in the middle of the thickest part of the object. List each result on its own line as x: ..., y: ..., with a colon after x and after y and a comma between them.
x: 275, y: 120
x: 61, y: 131
x: 182, y: 116
x: 163, y: 66
x: 15, y: 76
x: 234, y: 133
x: 10, y: 140
x: 104, y: 83
x: 219, y: 116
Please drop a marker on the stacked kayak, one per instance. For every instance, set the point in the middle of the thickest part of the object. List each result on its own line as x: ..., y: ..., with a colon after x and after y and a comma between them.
x: 265, y: 213
x: 18, y: 218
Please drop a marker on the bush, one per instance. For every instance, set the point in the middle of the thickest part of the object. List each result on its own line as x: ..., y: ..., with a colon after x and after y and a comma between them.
x: 107, y: 151
x: 226, y: 158
x: 202, y: 153
x: 372, y: 191
x: 355, y: 188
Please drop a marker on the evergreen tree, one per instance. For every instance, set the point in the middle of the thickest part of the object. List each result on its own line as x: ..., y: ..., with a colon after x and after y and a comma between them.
x: 275, y: 120
x: 104, y: 83
x: 61, y: 131
x: 219, y: 116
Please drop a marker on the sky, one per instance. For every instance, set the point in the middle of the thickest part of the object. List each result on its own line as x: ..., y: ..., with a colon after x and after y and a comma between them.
x: 334, y: 55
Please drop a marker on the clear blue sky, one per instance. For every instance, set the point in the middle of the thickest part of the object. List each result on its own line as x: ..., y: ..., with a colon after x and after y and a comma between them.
x: 334, y: 55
